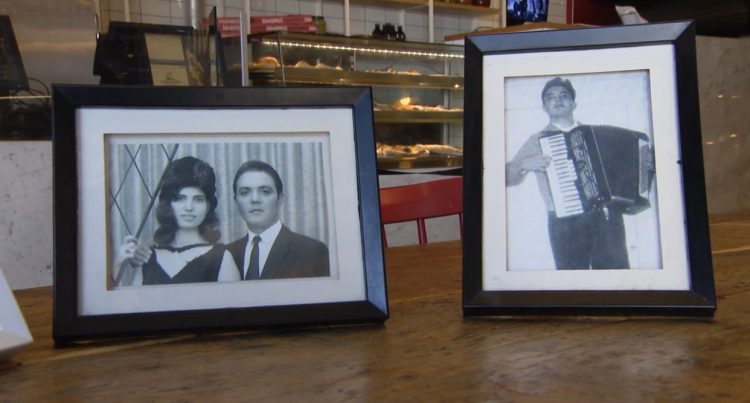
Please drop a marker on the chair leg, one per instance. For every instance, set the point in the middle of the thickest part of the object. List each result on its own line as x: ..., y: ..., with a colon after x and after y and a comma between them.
x: 421, y: 231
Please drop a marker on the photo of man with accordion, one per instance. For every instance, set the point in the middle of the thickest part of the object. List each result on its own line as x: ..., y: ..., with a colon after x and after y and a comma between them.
x: 588, y: 177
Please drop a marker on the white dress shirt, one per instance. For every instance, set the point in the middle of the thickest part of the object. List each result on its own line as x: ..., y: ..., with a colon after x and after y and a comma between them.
x: 267, y: 238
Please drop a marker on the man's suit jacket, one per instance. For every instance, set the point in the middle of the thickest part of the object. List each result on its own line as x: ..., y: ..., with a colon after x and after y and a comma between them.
x: 292, y: 255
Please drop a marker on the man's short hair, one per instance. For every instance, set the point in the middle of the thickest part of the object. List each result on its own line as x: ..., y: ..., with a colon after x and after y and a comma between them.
x: 559, y: 82
x: 258, y: 166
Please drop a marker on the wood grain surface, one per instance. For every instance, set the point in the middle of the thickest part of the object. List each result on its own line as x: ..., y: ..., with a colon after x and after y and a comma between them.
x: 426, y: 351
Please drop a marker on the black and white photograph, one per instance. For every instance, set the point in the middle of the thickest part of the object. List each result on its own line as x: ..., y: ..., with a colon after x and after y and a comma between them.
x: 214, y: 208
x: 584, y: 150
x: 578, y: 192
x: 580, y: 185
x: 197, y: 212
x: 191, y: 210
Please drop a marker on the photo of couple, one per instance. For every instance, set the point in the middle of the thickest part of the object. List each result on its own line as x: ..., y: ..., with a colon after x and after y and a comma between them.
x: 199, y: 213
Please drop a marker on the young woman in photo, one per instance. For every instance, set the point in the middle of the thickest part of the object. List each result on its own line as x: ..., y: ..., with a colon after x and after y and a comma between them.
x: 185, y: 248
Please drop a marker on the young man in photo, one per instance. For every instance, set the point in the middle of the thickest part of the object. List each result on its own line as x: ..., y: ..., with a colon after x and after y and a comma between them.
x: 270, y: 250
x: 593, y: 239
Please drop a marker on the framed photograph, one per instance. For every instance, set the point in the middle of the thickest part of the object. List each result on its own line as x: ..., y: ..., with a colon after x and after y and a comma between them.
x: 195, y: 208
x: 583, y: 177
x: 14, y: 334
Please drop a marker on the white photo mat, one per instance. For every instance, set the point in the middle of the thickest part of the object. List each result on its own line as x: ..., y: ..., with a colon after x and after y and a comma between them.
x: 335, y: 125
x: 667, y: 268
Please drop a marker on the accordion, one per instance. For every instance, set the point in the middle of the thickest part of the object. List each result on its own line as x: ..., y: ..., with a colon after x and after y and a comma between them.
x: 598, y: 166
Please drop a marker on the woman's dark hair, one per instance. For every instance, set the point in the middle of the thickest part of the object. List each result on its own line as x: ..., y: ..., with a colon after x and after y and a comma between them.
x: 182, y: 173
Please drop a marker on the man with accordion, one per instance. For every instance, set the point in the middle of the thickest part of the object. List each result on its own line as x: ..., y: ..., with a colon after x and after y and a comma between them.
x: 588, y: 176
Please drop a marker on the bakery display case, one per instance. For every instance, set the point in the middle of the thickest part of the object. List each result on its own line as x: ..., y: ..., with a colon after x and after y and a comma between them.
x: 417, y: 89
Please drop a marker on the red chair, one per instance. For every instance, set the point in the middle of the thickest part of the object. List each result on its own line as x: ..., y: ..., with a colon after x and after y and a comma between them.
x: 420, y: 201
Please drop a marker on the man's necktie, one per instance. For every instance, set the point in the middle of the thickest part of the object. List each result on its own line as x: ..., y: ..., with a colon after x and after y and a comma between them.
x: 253, y: 271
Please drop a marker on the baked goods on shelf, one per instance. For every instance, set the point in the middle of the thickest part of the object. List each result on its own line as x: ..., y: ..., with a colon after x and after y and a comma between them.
x: 402, y: 104
x: 321, y: 65
x: 397, y: 150
x: 416, y: 89
x: 406, y: 104
x: 266, y: 62
x: 411, y: 72
x: 272, y: 62
x: 441, y: 149
x: 415, y: 150
x: 391, y: 70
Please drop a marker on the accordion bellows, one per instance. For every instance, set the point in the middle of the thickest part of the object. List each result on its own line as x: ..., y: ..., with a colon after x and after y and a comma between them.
x: 598, y: 166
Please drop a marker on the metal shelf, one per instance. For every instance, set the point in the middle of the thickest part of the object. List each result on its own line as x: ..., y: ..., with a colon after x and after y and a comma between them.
x: 311, y: 75
x: 418, y: 116
x: 430, y: 161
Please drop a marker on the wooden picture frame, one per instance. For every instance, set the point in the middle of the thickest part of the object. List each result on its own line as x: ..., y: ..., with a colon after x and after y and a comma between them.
x: 644, y: 207
x: 117, y: 153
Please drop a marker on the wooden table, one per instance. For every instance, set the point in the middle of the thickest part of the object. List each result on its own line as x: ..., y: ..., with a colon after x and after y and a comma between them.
x: 426, y: 351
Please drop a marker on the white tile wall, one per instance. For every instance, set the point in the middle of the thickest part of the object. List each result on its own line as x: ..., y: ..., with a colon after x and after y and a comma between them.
x: 395, y: 17
x: 374, y: 14
x: 158, y: 8
x: 417, y: 18
x: 234, y: 3
x: 357, y: 12
x: 287, y: 6
x: 334, y: 24
x: 179, y: 10
x: 310, y: 8
x: 116, y: 15
x: 357, y: 26
x: 448, y: 23
x: 264, y: 7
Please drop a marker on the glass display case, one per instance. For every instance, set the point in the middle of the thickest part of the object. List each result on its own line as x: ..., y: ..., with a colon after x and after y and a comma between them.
x: 417, y: 89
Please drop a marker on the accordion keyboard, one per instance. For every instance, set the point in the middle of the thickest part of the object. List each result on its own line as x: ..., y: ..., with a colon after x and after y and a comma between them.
x: 562, y: 176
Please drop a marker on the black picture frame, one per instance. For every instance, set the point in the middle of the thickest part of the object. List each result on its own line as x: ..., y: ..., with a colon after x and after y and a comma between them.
x: 492, y: 285
x: 75, y: 107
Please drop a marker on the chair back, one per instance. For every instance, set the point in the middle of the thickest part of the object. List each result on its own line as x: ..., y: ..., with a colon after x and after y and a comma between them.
x: 420, y: 201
